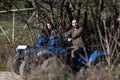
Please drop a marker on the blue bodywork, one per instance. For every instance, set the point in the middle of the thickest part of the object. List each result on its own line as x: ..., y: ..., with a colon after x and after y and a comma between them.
x: 51, y: 47
x: 92, y: 57
x: 40, y: 41
x: 96, y: 54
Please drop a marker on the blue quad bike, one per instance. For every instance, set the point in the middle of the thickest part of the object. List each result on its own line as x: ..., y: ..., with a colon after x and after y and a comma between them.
x: 29, y: 57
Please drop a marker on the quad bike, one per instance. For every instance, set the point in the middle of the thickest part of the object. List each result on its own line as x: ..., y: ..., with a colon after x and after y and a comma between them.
x: 28, y: 58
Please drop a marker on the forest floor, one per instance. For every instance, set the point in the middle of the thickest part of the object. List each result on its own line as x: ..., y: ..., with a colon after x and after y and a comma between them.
x: 9, y: 76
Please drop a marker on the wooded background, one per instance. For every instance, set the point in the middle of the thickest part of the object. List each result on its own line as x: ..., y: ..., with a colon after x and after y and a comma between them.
x: 100, y: 18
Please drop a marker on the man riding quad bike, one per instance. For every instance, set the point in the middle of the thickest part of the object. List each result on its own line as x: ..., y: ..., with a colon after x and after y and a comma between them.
x: 26, y: 56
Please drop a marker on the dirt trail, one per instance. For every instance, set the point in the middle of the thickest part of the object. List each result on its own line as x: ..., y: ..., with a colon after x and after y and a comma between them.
x: 9, y: 76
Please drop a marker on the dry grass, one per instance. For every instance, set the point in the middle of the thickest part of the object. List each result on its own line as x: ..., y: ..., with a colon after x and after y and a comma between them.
x: 53, y: 71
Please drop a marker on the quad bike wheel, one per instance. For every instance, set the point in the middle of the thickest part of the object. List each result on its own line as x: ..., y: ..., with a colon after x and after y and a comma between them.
x: 16, y: 65
x: 23, y: 70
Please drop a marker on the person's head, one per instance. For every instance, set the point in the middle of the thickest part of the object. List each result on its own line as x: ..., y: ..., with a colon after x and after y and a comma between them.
x: 74, y: 23
x: 50, y: 26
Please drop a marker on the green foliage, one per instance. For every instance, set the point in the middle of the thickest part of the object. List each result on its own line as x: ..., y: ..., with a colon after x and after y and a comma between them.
x: 6, y: 22
x: 6, y: 4
x: 3, y: 68
x: 28, y: 4
x: 10, y: 4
